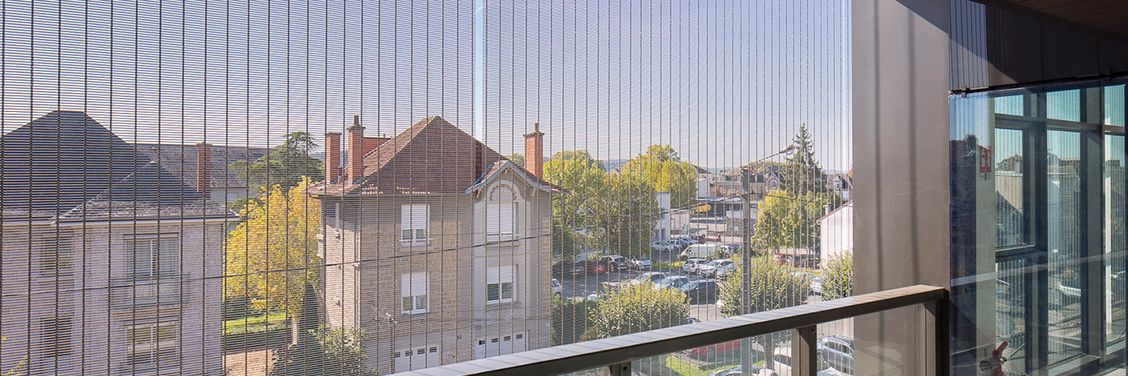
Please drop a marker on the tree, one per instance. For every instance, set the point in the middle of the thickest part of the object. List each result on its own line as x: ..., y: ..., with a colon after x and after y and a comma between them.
x: 570, y: 319
x: 630, y: 211
x: 636, y: 308
x: 773, y: 286
x: 786, y: 220
x: 585, y: 184
x: 284, y: 165
x: 18, y: 368
x: 802, y: 173
x: 838, y: 277
x: 516, y: 158
x: 662, y: 166
x: 327, y: 351
x: 274, y: 251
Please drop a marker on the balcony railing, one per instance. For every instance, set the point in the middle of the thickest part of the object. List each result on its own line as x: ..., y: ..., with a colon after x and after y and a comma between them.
x: 617, y: 353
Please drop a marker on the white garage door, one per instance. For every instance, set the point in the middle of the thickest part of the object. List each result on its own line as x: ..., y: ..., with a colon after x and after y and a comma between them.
x: 499, y: 345
x: 417, y: 358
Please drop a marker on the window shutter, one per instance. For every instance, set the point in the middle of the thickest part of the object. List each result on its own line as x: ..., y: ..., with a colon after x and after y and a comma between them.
x: 501, y: 218
x: 414, y: 216
x: 499, y: 274
x: 413, y: 284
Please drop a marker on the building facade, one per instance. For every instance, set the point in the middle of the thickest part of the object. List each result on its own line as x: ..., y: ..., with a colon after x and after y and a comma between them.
x: 116, y: 261
x: 437, y: 256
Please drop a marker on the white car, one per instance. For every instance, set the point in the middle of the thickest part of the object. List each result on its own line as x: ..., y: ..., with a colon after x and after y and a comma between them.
x: 717, y: 268
x: 692, y: 265
x: 663, y: 245
x: 557, y: 288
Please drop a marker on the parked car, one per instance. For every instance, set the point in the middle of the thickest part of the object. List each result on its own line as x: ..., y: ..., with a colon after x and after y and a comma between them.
x: 693, y: 264
x: 739, y: 371
x: 592, y: 267
x: 702, y: 291
x: 717, y: 268
x: 705, y: 251
x: 648, y: 277
x: 838, y: 352
x: 557, y: 288
x: 641, y: 263
x: 782, y: 363
x: 615, y: 262
x: 672, y: 282
x: 711, y: 351
x: 663, y: 245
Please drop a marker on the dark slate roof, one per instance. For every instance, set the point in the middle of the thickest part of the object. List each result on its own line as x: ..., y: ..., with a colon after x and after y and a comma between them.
x: 55, y: 165
x: 181, y: 160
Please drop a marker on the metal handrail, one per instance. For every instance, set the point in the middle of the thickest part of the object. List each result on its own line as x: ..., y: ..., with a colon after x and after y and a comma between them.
x: 618, y: 352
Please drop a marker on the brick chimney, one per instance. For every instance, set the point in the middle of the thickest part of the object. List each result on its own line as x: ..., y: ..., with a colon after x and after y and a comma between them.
x: 203, y: 168
x: 534, y: 152
x: 332, y: 157
x: 356, y: 150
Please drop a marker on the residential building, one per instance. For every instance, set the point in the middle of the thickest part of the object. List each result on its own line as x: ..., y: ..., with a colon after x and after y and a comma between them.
x: 836, y: 233
x: 191, y: 162
x: 116, y: 259
x: 436, y: 246
x: 662, y: 226
x: 840, y: 184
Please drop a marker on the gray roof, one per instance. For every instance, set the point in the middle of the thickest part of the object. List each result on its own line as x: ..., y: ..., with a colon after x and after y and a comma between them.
x: 181, y: 160
x: 65, y: 165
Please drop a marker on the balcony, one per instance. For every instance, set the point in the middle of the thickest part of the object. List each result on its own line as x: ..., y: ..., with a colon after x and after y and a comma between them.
x: 621, y: 355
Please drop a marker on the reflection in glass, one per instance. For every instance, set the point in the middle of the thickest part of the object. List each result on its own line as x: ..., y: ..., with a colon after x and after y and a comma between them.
x: 1064, y: 237
x: 1064, y: 105
x: 1011, y: 310
x: 1009, y: 105
x: 1010, y: 215
x: 1114, y: 105
x: 1114, y: 244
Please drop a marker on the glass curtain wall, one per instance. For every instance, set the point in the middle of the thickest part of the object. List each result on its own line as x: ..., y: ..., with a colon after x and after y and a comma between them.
x: 254, y: 187
x: 1038, y: 239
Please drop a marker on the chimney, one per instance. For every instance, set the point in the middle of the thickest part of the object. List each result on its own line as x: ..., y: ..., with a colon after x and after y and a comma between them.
x: 534, y: 152
x: 332, y: 157
x: 356, y: 150
x: 203, y: 168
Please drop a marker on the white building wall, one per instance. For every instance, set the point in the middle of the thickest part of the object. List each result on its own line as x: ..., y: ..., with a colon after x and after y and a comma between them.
x: 836, y: 233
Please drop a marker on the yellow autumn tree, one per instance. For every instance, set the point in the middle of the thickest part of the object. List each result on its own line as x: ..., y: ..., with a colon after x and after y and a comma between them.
x: 273, y: 253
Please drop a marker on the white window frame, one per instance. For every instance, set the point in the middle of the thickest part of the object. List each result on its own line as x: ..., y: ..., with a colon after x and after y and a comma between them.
x: 415, y: 218
x: 146, y: 354
x: 501, y: 276
x: 418, y: 296
x: 495, y: 225
x: 159, y: 265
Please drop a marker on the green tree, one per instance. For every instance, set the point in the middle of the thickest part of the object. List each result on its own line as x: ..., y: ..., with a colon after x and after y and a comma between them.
x: 636, y: 308
x: 570, y: 319
x: 838, y: 277
x: 325, y: 351
x: 662, y: 166
x: 284, y: 165
x: 585, y: 184
x: 274, y: 251
x: 802, y: 173
x: 18, y: 368
x: 773, y: 286
x: 630, y: 211
x: 786, y: 220
x: 516, y: 158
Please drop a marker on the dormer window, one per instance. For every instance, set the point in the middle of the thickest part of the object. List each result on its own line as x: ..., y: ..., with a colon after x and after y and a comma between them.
x: 501, y: 215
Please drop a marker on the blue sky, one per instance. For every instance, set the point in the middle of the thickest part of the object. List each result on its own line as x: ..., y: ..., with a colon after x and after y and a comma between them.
x: 723, y: 82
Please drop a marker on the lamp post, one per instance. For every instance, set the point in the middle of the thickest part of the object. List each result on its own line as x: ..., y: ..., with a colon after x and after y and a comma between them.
x: 746, y: 249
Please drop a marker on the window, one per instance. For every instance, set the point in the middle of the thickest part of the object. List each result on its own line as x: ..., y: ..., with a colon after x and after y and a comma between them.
x: 55, y: 336
x: 499, y: 284
x: 52, y: 257
x: 415, y: 221
x: 413, y: 291
x: 154, y: 257
x: 501, y: 221
x: 152, y: 346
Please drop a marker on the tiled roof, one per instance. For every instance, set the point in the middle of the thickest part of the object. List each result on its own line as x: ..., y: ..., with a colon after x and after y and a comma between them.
x: 55, y: 165
x: 431, y: 157
x: 181, y: 160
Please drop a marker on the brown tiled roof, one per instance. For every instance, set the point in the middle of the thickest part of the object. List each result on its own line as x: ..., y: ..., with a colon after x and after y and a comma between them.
x: 432, y: 156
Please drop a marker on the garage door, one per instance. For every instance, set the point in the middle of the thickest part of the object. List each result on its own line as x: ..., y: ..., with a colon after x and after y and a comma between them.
x: 499, y: 345
x: 416, y: 358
